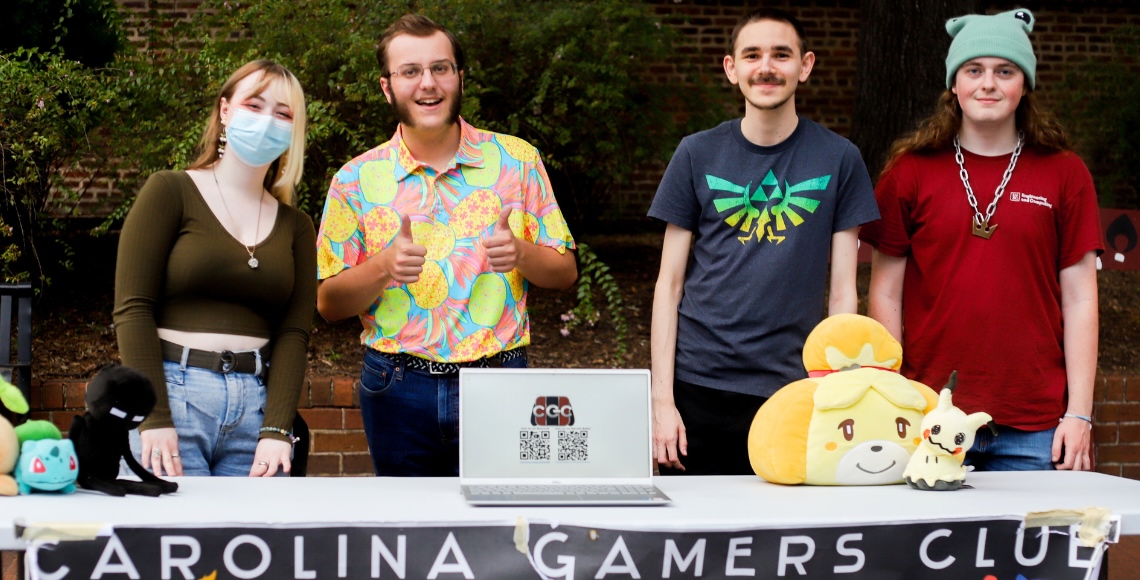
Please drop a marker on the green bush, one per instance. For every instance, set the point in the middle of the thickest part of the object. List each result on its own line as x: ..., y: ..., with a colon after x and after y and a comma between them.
x: 1100, y: 106
x: 55, y: 97
x: 593, y: 277
x: 50, y: 110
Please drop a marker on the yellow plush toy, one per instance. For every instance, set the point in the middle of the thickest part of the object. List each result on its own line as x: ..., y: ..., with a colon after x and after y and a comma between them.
x: 854, y: 420
x: 947, y: 433
x: 13, y: 399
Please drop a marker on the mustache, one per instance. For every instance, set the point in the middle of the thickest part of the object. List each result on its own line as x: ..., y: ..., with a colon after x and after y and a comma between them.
x: 767, y: 80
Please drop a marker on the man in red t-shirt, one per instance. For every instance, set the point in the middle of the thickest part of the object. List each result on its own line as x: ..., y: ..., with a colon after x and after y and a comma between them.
x: 1012, y: 308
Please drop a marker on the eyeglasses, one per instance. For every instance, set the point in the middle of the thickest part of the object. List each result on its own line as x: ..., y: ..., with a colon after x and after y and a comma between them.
x: 441, y: 71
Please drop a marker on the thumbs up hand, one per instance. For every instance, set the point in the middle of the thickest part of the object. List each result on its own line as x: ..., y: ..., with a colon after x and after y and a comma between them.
x: 403, y: 258
x: 502, y: 246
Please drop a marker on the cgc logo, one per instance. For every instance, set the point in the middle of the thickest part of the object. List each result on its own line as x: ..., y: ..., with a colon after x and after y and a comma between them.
x: 552, y: 411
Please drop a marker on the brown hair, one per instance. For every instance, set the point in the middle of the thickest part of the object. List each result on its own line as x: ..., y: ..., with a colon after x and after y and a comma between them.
x: 768, y: 14
x: 419, y: 26
x: 939, y: 129
x: 285, y: 173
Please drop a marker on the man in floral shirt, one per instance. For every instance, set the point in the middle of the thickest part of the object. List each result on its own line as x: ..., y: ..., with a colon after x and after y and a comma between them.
x: 432, y: 239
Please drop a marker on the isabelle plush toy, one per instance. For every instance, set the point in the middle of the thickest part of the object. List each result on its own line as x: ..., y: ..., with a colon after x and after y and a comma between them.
x: 13, y: 400
x: 947, y: 433
x: 853, y: 421
x: 118, y: 399
x: 47, y: 461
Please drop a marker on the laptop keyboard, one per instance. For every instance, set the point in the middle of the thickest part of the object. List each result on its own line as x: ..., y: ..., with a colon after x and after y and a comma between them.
x: 583, y: 490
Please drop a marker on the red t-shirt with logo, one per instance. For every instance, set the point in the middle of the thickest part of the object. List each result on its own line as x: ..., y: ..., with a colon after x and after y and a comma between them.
x: 990, y: 309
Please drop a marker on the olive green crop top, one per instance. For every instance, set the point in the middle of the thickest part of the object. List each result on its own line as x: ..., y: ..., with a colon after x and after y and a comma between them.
x: 179, y: 268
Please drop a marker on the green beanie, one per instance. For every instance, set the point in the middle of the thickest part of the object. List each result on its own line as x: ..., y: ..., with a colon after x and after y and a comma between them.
x: 1004, y: 35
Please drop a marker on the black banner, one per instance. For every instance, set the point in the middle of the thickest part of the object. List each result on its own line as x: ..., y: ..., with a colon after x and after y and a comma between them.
x: 997, y: 550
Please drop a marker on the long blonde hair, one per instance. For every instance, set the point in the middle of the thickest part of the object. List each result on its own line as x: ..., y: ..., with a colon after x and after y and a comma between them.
x: 285, y: 173
x: 938, y: 130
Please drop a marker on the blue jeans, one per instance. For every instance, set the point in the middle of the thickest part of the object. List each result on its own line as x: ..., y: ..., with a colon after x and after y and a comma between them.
x: 411, y: 418
x: 217, y: 416
x: 1012, y: 450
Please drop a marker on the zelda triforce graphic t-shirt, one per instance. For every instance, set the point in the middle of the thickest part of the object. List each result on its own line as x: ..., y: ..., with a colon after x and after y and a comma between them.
x: 762, y: 220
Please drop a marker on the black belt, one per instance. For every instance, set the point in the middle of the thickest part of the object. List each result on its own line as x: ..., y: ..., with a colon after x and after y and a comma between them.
x: 220, y: 362
x: 445, y: 368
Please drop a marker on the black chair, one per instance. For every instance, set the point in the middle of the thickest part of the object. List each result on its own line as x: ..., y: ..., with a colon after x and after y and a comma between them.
x: 300, y: 448
x: 16, y: 304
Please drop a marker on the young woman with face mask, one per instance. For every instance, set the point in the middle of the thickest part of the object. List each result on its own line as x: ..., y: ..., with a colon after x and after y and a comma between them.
x: 215, y: 287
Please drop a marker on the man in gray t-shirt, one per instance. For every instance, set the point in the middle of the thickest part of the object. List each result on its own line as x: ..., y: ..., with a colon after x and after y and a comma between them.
x: 762, y: 202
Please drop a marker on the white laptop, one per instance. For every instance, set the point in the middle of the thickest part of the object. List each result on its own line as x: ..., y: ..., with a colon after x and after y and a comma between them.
x: 556, y: 437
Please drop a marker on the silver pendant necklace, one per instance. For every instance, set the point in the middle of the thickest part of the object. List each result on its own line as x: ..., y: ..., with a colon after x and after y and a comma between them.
x: 981, y: 224
x: 256, y: 232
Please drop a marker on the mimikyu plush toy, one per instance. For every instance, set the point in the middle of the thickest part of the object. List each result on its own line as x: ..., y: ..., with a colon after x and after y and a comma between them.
x: 947, y: 433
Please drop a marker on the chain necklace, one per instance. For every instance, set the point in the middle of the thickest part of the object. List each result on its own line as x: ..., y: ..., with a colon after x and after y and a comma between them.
x: 256, y: 232
x: 981, y: 224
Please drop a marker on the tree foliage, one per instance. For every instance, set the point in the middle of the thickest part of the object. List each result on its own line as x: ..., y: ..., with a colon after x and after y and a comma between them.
x: 86, y: 31
x: 54, y: 98
x: 569, y: 76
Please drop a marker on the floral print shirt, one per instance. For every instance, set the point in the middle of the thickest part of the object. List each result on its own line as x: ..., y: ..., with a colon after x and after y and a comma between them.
x: 459, y: 310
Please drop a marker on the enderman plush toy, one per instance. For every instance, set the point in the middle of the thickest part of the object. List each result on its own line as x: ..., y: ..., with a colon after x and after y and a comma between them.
x: 118, y: 399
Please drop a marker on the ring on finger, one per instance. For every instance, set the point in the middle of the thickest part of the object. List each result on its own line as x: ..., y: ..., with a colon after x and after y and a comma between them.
x: 175, y: 456
x: 265, y: 463
x: 156, y: 453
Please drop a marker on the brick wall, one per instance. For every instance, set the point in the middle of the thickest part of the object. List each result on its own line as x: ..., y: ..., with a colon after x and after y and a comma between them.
x: 1066, y: 33
x: 1116, y: 412
x: 331, y: 408
x: 140, y: 15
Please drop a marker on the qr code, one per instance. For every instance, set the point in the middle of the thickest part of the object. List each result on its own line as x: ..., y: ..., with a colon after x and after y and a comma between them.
x: 534, y: 445
x: 573, y: 445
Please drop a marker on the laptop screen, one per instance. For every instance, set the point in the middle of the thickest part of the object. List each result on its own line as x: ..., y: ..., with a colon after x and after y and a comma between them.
x: 554, y: 423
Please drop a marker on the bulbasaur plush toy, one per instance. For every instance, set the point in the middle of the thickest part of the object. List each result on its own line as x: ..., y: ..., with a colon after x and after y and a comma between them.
x: 854, y: 420
x: 947, y: 433
x: 47, y: 461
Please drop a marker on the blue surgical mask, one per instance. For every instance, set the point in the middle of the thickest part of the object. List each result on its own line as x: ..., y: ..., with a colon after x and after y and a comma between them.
x: 257, y: 139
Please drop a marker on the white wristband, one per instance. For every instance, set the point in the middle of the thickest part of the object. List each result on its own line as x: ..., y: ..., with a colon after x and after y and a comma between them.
x: 1076, y: 416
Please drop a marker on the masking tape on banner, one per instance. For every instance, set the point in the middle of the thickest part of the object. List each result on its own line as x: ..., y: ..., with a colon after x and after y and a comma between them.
x: 62, y: 531
x: 1096, y: 524
x: 522, y: 533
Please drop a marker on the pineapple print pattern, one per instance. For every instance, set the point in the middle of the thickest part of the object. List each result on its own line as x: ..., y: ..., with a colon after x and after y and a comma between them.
x: 524, y: 225
x: 458, y: 310
x: 488, y: 297
x: 327, y: 258
x: 476, y: 213
x: 381, y: 224
x: 436, y: 237
x: 519, y: 149
x: 555, y: 225
x: 342, y: 222
x: 431, y: 289
x: 476, y: 343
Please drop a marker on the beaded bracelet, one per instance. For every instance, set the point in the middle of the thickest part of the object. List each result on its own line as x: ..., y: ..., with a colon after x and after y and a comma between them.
x: 292, y: 439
